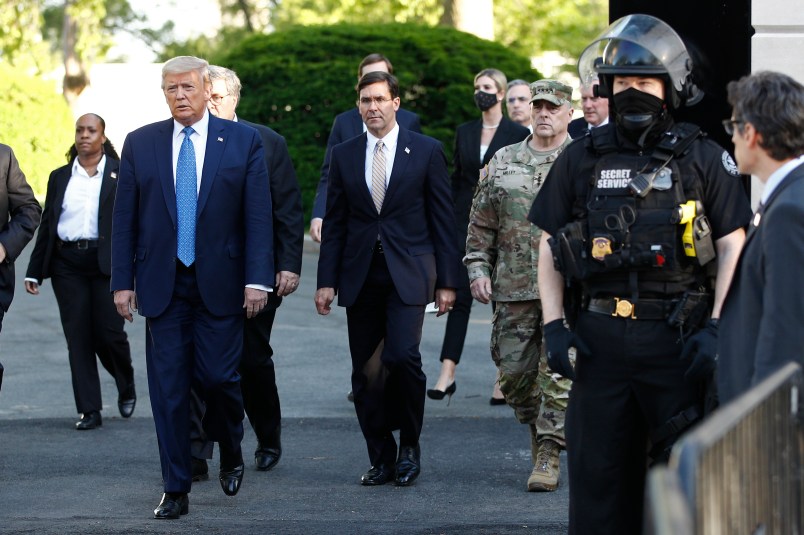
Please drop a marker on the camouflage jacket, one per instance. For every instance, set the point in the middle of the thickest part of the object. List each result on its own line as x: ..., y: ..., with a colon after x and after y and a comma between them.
x: 501, y: 243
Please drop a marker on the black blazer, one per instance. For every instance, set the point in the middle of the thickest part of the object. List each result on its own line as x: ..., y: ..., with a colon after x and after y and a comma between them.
x: 347, y: 125
x: 578, y: 128
x: 467, y: 163
x: 286, y: 205
x: 762, y: 321
x: 19, y: 216
x: 47, y: 238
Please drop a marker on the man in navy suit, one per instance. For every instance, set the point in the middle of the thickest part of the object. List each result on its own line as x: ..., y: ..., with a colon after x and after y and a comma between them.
x: 388, y: 250
x: 196, y: 263
x: 595, y: 111
x: 762, y: 322
x: 346, y: 126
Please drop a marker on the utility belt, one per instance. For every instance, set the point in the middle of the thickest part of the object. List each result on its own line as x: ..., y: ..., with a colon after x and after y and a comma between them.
x: 687, y: 312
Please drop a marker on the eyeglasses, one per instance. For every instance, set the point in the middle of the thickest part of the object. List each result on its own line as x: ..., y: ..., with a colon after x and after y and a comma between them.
x: 512, y: 100
x: 378, y: 101
x: 217, y: 99
x: 728, y: 125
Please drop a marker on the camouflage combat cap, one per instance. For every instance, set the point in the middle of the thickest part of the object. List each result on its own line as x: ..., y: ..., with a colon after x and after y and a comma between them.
x: 551, y: 91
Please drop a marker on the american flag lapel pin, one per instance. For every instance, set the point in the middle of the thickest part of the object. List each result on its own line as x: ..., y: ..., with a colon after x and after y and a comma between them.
x: 220, y: 139
x: 407, y: 150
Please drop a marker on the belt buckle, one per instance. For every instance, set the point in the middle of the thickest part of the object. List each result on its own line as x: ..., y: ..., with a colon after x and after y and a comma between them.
x: 624, y: 309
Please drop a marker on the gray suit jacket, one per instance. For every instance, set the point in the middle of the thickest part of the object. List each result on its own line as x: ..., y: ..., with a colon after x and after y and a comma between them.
x: 762, y: 322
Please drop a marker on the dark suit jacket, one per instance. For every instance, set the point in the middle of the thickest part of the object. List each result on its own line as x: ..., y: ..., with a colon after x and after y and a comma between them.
x: 234, y: 236
x: 467, y: 163
x: 578, y: 127
x: 762, y: 321
x: 286, y: 204
x: 46, y: 240
x: 19, y: 216
x: 414, y: 224
x: 346, y: 126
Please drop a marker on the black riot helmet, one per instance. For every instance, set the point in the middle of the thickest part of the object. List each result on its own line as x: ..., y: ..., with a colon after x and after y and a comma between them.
x: 641, y: 45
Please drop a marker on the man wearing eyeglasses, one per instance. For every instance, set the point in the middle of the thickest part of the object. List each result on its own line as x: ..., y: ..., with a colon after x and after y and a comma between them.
x: 388, y: 249
x: 518, y: 99
x: 257, y: 376
x: 762, y: 324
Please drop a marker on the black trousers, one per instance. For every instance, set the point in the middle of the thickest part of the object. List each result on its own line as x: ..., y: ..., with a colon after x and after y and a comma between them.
x: 387, y: 378
x: 257, y: 383
x: 458, y: 317
x: 91, y: 326
x: 630, y: 385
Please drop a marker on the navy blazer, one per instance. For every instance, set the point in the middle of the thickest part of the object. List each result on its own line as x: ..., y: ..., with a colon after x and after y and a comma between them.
x: 47, y: 238
x: 578, y: 127
x: 234, y: 229
x: 762, y: 321
x: 414, y: 225
x: 347, y: 125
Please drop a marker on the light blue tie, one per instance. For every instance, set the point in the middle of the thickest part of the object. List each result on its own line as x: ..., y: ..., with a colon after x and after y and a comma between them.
x: 186, y: 199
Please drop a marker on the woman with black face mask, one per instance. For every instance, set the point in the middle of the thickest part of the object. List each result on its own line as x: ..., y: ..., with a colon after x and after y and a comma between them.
x: 475, y: 144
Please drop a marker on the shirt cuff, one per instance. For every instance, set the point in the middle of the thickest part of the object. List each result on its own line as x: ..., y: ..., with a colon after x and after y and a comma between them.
x: 260, y: 287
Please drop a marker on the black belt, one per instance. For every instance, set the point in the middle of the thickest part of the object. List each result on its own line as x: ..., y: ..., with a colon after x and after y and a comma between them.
x: 378, y: 247
x: 643, y: 309
x: 77, y: 244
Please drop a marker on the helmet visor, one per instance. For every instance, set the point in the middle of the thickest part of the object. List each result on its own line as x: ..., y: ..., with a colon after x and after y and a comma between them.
x: 637, y: 45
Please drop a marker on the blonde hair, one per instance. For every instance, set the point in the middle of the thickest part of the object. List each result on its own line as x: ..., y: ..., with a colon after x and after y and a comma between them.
x: 182, y: 64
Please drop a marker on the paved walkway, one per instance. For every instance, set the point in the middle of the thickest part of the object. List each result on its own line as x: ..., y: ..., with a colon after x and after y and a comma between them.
x: 475, y: 457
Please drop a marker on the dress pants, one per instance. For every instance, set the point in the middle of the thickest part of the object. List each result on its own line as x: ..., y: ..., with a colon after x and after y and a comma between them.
x: 257, y: 382
x: 458, y: 317
x: 630, y: 385
x: 187, y: 346
x: 91, y: 326
x: 387, y: 377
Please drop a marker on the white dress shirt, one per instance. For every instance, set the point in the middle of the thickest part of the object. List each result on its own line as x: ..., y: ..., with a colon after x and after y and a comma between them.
x: 778, y: 176
x: 389, y: 149
x: 199, y: 139
x: 79, y: 209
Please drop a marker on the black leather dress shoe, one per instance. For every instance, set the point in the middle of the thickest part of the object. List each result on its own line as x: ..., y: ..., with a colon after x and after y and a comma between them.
x: 200, y: 469
x: 231, y: 479
x: 408, y: 465
x: 267, y: 457
x: 126, y: 407
x: 89, y: 420
x: 172, y: 505
x: 377, y: 475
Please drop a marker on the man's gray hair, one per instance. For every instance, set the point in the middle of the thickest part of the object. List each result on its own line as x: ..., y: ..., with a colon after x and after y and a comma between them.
x: 182, y: 64
x: 233, y: 85
x: 514, y: 83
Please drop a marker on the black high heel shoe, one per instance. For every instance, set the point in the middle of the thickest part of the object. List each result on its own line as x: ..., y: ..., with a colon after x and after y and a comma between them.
x: 433, y: 393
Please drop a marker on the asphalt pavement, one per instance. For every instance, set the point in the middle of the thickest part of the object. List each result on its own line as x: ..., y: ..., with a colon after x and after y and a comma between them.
x: 53, y: 479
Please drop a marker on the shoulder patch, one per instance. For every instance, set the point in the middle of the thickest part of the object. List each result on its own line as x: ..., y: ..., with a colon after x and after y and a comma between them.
x: 729, y: 165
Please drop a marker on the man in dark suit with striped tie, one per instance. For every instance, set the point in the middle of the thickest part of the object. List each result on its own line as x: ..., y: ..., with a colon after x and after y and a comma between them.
x: 388, y: 249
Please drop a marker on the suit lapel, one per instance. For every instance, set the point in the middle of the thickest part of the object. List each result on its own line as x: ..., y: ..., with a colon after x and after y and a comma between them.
x: 356, y: 125
x: 796, y: 174
x: 109, y: 179
x: 216, y: 143
x: 163, y: 150
x: 401, y: 160
x: 498, y: 141
x: 359, y: 169
x: 473, y: 142
x: 58, y: 200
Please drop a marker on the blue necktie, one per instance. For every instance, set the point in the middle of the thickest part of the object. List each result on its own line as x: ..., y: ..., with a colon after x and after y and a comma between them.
x: 186, y: 199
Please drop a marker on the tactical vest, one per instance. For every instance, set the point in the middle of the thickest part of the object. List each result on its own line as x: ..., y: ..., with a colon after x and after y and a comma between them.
x: 634, y: 244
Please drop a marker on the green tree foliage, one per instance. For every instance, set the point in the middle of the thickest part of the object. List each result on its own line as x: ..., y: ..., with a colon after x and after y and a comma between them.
x: 21, y: 42
x: 297, y: 81
x: 41, y: 140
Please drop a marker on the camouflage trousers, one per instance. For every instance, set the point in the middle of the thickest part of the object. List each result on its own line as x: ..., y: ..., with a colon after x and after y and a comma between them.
x: 537, y: 396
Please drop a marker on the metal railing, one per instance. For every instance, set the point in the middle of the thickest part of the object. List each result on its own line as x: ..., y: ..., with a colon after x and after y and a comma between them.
x: 741, y: 471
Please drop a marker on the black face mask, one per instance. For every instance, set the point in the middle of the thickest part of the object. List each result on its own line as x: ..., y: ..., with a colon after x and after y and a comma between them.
x: 485, y: 101
x: 640, y: 114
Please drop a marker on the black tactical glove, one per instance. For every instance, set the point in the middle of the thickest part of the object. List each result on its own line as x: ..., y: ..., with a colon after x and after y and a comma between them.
x: 558, y: 340
x: 701, y: 350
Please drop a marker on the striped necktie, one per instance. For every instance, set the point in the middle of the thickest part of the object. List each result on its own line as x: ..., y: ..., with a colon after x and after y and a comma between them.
x: 378, y: 176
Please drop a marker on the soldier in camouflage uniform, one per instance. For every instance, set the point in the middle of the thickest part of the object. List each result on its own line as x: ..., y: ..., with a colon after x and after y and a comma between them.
x: 502, y: 252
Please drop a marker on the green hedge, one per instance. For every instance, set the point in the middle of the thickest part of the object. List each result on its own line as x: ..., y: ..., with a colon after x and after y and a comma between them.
x: 36, y: 122
x: 297, y: 81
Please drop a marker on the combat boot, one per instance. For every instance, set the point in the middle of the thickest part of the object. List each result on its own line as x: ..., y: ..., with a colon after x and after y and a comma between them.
x: 544, y: 477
